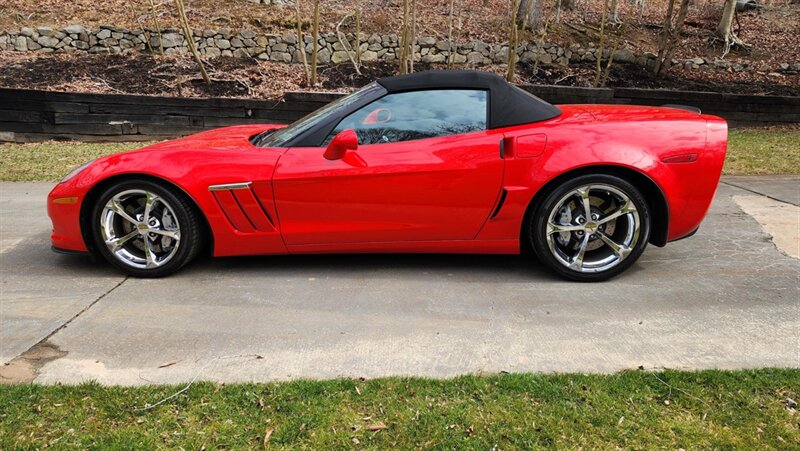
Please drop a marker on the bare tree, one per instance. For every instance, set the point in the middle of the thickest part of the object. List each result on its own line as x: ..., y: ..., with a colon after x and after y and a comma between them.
x: 158, y: 26
x: 450, y: 34
x: 187, y: 32
x: 301, y: 44
x: 346, y: 45
x: 670, y: 36
x: 665, y: 31
x: 405, y: 37
x: 413, y: 35
x: 513, y: 39
x: 315, y: 43
x: 600, y: 50
x: 529, y: 14
x: 452, y: 46
x: 675, y: 37
x: 613, y: 14
x: 358, y: 33
x: 725, y: 28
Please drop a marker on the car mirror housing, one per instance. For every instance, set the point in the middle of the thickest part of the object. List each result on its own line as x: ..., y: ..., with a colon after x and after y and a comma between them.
x: 341, y: 143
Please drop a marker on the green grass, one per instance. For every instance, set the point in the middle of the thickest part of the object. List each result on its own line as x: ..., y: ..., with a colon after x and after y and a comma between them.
x: 750, y: 151
x: 637, y: 409
x: 50, y: 161
x: 754, y: 151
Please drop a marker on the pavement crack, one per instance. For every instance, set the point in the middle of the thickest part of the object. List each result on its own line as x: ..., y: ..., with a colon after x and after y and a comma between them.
x: 756, y: 192
x: 25, y: 367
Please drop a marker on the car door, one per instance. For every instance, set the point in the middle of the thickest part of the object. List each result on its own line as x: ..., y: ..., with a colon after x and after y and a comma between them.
x: 426, y: 169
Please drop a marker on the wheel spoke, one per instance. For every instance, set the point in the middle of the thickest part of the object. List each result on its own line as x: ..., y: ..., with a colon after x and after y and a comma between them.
x: 117, y: 208
x: 623, y: 210
x: 149, y: 253
x: 115, y: 243
x: 577, y: 261
x: 174, y: 234
x: 558, y: 228
x: 148, y: 206
x: 583, y: 192
x: 620, y: 250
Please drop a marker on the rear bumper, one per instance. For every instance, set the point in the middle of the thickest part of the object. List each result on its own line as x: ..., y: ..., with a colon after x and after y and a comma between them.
x: 688, y: 235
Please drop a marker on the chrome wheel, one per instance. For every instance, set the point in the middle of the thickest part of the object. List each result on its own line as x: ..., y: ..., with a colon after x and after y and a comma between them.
x: 140, y: 229
x: 593, y: 228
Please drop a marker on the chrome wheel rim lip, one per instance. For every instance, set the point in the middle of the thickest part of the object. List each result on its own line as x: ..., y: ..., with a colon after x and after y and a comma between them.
x: 144, y: 228
x: 617, y: 247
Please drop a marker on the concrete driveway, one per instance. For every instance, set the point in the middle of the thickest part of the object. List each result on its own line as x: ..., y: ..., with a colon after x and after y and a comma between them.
x: 726, y: 298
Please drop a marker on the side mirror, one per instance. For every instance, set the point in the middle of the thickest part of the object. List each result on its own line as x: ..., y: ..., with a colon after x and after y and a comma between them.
x: 341, y: 143
x: 379, y: 116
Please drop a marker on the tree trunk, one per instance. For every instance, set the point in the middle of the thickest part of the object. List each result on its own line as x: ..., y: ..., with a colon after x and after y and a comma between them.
x: 613, y: 16
x: 158, y: 27
x: 315, y: 44
x: 675, y: 36
x: 670, y: 37
x: 187, y: 33
x: 301, y: 46
x: 529, y: 14
x: 404, y: 38
x: 413, y: 35
x: 725, y: 24
x: 662, y: 45
x: 599, y: 54
x: 513, y: 39
x: 358, y: 33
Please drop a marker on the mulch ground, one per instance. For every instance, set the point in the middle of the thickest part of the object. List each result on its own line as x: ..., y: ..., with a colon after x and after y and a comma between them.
x: 240, y: 77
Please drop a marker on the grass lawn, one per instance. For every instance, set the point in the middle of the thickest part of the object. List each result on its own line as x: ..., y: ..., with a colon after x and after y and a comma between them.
x: 754, y: 151
x: 750, y: 151
x: 751, y: 409
x: 50, y: 161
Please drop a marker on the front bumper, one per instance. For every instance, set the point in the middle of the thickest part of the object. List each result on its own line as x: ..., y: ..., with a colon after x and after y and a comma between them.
x: 64, y: 209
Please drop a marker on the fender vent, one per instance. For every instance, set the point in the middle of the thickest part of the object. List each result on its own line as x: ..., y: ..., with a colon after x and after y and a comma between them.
x: 242, y: 207
x: 499, y: 204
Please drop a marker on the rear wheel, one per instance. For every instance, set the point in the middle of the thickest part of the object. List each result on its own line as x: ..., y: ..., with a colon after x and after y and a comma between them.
x: 145, y: 229
x: 590, y: 228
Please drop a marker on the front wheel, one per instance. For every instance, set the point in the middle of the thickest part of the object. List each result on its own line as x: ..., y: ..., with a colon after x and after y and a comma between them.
x: 590, y: 228
x: 145, y: 229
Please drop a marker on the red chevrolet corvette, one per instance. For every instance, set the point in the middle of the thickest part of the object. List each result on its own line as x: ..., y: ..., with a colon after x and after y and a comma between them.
x: 433, y: 162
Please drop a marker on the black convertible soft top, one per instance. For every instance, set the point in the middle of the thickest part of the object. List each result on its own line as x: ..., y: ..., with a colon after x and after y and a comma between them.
x: 508, y: 104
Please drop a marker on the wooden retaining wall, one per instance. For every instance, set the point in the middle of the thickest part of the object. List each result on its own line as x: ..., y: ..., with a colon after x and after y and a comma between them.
x: 27, y: 115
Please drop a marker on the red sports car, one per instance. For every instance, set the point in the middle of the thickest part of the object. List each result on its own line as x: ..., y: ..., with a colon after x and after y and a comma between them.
x: 433, y: 162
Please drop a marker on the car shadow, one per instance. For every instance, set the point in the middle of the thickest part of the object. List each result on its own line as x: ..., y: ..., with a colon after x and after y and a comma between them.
x: 495, y: 267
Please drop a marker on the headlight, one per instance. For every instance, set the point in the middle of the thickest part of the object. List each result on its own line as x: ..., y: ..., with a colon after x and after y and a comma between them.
x: 76, y: 171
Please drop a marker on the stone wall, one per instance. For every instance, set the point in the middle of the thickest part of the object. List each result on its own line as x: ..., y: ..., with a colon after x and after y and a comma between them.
x: 284, y: 48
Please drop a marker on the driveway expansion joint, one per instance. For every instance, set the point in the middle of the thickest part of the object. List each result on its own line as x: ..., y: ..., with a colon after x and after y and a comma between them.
x: 735, y: 185
x: 25, y: 367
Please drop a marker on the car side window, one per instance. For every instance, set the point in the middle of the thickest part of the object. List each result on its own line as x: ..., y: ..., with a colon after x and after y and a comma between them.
x: 406, y: 116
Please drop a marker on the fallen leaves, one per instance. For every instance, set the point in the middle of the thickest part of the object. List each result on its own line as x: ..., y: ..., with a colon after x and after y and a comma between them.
x: 267, y: 435
x: 376, y: 427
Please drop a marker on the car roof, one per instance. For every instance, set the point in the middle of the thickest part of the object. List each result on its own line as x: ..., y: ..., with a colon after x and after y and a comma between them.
x: 509, y: 105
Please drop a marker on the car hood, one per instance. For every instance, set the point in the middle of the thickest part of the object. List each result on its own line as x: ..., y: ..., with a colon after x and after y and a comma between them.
x: 234, y: 137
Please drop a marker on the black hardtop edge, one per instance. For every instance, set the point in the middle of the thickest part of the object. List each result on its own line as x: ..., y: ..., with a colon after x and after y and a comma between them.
x: 509, y: 105
x: 447, y: 79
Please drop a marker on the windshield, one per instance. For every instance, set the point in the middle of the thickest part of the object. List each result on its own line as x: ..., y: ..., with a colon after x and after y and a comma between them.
x: 280, y: 137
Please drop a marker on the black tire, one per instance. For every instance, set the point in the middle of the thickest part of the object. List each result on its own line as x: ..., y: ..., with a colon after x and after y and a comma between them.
x: 184, y: 212
x: 537, y: 228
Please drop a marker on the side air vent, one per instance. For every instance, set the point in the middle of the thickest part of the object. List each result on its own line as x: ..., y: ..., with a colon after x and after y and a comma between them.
x: 242, y: 207
x: 499, y: 204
